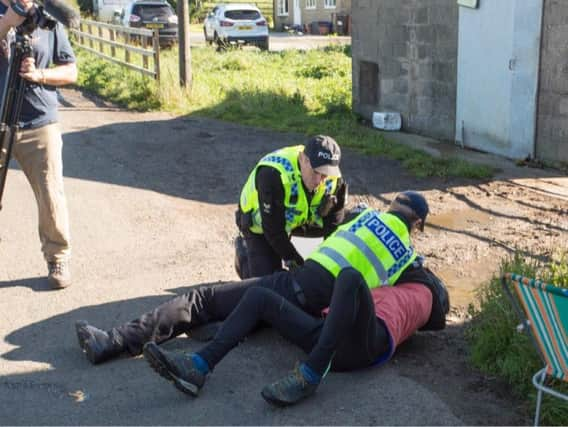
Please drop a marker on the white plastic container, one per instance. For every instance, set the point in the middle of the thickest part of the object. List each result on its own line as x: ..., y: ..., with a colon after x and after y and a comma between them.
x: 387, y: 120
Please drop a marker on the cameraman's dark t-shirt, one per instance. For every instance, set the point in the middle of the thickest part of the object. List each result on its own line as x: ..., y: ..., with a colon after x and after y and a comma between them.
x: 39, y: 107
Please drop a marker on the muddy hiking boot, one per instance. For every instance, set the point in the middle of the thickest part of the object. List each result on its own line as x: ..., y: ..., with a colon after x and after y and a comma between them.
x: 58, y: 274
x: 97, y: 344
x: 176, y: 367
x: 290, y: 389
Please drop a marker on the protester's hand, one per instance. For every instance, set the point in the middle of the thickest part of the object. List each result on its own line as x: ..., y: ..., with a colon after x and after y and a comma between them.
x: 14, y: 18
x: 29, y: 71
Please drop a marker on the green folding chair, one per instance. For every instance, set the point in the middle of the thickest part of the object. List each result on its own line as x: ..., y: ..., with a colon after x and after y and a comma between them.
x: 545, y: 313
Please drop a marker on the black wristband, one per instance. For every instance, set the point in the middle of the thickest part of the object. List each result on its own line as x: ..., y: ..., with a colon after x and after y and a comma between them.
x: 18, y: 8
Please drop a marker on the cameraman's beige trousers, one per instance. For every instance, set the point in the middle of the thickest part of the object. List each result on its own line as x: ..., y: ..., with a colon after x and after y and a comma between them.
x: 39, y: 153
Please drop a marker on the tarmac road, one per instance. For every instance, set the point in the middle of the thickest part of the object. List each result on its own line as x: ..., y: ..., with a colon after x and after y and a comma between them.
x: 151, y: 200
x: 283, y: 41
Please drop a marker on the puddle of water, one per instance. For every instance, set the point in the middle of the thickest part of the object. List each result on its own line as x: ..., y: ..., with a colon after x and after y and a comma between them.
x: 456, y: 220
x: 462, y: 283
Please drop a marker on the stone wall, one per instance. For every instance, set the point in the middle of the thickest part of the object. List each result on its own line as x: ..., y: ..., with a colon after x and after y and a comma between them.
x: 412, y: 46
x: 552, y: 123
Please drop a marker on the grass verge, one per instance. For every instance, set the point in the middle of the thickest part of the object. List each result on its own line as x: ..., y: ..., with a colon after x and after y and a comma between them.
x: 307, y: 92
x: 496, y: 347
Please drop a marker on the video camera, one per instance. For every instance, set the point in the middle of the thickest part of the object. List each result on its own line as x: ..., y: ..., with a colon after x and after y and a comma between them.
x: 45, y: 14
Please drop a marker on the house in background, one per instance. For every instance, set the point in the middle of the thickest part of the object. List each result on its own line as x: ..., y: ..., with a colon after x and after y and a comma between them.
x: 265, y: 6
x: 491, y: 75
x: 313, y: 16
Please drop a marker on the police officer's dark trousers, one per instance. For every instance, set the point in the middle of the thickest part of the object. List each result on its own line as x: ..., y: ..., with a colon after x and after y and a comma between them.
x: 262, y: 259
x: 351, y: 331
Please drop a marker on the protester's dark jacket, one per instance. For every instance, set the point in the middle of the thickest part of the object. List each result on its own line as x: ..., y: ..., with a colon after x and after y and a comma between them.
x: 440, y: 296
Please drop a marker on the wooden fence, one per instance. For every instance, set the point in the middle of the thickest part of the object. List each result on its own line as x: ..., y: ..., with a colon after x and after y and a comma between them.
x: 115, y: 43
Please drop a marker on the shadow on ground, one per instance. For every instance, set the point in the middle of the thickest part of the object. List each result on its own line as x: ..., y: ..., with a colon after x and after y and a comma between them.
x: 209, y: 160
x: 74, y: 392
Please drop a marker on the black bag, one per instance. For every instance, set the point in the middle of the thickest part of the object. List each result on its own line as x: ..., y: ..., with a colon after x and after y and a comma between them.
x: 440, y: 296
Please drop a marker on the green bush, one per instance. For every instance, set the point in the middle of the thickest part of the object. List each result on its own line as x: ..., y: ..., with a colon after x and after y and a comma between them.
x: 124, y: 87
x: 497, y: 348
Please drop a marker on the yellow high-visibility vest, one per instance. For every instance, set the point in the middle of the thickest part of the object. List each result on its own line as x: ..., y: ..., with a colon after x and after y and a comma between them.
x: 375, y: 244
x: 297, y: 209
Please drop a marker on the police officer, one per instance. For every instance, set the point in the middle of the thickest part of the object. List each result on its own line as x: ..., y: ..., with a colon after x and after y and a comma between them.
x: 371, y: 250
x: 294, y: 190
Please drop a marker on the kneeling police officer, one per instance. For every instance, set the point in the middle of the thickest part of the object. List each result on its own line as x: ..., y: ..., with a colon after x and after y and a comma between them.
x: 292, y: 191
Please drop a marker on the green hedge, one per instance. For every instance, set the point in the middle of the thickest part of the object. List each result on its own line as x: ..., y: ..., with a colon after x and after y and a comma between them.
x: 498, y: 349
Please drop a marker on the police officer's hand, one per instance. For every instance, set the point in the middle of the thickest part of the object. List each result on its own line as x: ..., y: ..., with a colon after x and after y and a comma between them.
x: 342, y: 193
x: 334, y: 202
x: 328, y: 202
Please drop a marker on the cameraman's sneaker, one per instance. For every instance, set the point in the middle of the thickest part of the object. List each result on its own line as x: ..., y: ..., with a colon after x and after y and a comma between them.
x: 176, y: 367
x: 58, y: 276
x: 289, y: 390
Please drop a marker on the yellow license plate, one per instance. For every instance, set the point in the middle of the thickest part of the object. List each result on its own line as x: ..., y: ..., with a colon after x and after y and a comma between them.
x: 154, y: 25
x: 245, y: 27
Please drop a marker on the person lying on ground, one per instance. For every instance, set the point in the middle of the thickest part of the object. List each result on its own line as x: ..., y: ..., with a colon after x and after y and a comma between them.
x: 363, y: 328
x: 376, y: 244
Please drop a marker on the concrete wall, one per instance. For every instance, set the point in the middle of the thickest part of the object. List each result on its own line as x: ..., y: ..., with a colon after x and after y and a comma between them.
x: 552, y: 123
x: 414, y: 46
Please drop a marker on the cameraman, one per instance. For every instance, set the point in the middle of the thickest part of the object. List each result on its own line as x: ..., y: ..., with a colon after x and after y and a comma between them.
x: 38, y: 143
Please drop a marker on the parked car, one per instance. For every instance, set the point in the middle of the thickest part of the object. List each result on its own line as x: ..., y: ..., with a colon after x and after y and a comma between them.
x: 106, y: 10
x: 152, y: 14
x: 236, y: 23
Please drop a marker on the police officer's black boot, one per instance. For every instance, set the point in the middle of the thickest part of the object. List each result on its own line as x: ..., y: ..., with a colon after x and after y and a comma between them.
x: 97, y: 344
